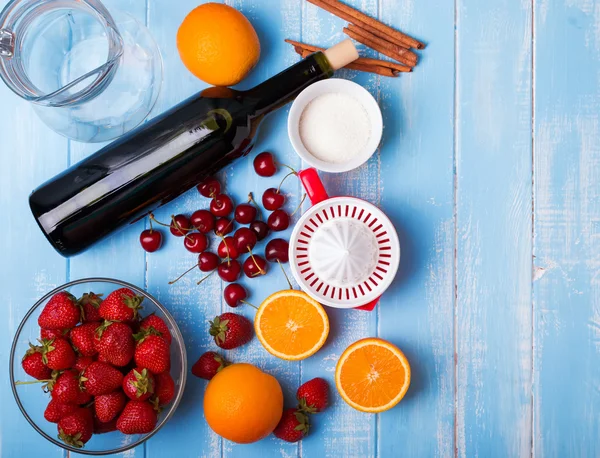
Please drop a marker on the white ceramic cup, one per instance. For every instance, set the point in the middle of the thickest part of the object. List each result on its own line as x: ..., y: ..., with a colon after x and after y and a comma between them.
x: 335, y: 85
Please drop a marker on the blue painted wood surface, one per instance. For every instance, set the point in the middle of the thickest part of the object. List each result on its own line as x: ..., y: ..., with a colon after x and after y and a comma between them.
x: 489, y: 170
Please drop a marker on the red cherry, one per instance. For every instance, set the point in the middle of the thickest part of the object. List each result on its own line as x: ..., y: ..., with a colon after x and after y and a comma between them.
x: 229, y: 271
x: 277, y: 250
x: 209, y: 187
x: 255, y: 266
x: 227, y: 249
x: 234, y: 294
x: 208, y: 261
x: 264, y: 164
x: 223, y: 226
x: 221, y: 205
x: 244, y: 239
x: 279, y: 220
x: 260, y: 228
x: 203, y: 221
x: 195, y: 242
x: 245, y: 213
x: 180, y: 225
x: 151, y: 240
x: 272, y: 199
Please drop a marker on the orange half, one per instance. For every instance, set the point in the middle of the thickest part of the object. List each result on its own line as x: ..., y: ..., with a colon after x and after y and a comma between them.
x: 372, y: 375
x: 291, y: 325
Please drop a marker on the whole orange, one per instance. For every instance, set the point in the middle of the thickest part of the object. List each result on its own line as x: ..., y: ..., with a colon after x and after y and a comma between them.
x: 243, y: 404
x: 218, y: 44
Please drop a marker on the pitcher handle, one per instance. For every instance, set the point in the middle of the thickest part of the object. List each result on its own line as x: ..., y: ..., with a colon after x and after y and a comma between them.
x: 313, y: 185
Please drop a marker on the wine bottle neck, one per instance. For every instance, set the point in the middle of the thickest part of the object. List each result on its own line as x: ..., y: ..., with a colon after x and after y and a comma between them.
x: 285, y: 86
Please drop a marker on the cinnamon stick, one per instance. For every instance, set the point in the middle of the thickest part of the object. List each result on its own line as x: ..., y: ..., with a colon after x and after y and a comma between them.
x: 411, y: 57
x: 377, y: 69
x: 376, y: 46
x: 339, y: 13
x: 368, y: 23
x: 361, y: 60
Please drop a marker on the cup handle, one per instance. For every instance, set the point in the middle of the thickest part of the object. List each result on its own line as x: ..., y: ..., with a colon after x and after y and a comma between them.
x: 313, y: 185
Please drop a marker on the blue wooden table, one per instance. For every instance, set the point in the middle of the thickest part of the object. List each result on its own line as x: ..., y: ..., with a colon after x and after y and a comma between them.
x: 489, y: 168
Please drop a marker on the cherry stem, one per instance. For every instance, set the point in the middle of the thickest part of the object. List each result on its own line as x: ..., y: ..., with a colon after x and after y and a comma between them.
x: 285, y: 165
x: 227, y: 248
x: 299, y: 205
x: 226, y: 227
x: 248, y: 303
x: 285, y: 275
x: 177, y: 225
x: 253, y: 202
x: 284, y: 178
x: 152, y: 218
x: 211, y: 272
x: 260, y: 270
x: 183, y: 274
x: 150, y: 221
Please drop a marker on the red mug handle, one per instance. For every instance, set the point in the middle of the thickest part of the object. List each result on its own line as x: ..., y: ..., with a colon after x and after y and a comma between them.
x: 313, y: 185
x: 317, y: 193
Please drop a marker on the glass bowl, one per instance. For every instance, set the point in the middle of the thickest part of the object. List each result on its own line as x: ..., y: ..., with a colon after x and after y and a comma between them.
x: 32, y: 400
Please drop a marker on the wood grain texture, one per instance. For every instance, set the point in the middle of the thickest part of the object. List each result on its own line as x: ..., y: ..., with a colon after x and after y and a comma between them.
x: 493, y: 205
x: 566, y: 245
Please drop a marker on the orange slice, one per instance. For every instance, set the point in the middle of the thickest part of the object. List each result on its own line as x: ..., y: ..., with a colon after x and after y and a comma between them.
x: 291, y: 325
x: 372, y: 375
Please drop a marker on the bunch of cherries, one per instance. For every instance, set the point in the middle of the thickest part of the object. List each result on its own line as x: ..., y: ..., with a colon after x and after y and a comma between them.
x: 217, y: 219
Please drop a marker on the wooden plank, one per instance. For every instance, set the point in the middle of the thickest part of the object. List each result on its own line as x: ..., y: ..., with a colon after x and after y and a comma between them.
x: 566, y: 226
x: 417, y: 193
x: 341, y: 430
x: 493, y: 161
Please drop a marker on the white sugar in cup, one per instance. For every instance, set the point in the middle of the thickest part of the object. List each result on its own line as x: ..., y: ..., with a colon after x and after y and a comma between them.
x: 337, y: 146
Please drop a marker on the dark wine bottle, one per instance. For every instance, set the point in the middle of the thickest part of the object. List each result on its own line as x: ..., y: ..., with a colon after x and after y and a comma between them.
x: 168, y: 155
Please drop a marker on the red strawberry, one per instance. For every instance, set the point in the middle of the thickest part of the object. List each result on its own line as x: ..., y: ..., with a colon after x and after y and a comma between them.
x: 33, y: 364
x: 61, y: 312
x: 165, y: 388
x: 313, y: 396
x: 138, y: 417
x: 139, y: 384
x: 76, y: 429
x: 231, y: 330
x: 66, y: 388
x: 153, y: 353
x: 101, y: 428
x: 293, y: 426
x: 114, y: 341
x: 89, y: 304
x: 101, y: 378
x: 81, y: 362
x: 157, y: 323
x: 208, y: 365
x: 82, y: 337
x: 57, y: 410
x: 83, y: 398
x: 121, y: 305
x: 108, y: 406
x: 54, y: 333
x: 57, y: 354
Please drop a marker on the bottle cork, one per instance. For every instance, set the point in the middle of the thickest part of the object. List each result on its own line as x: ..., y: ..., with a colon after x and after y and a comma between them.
x: 341, y: 54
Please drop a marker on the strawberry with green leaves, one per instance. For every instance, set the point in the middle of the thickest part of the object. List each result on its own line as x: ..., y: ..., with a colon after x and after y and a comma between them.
x: 138, y: 417
x: 57, y: 354
x: 152, y: 352
x: 313, y: 396
x: 60, y: 312
x: 89, y: 304
x: 208, y: 365
x: 76, y: 429
x: 121, y: 305
x: 114, y: 342
x: 33, y: 364
x: 139, y: 384
x: 231, y: 330
x: 293, y: 426
x: 157, y: 324
x: 101, y: 378
x: 109, y: 406
x: 82, y: 338
x: 66, y: 388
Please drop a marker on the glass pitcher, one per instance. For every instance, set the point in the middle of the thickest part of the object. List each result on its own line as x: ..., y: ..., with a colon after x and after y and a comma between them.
x: 91, y: 75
